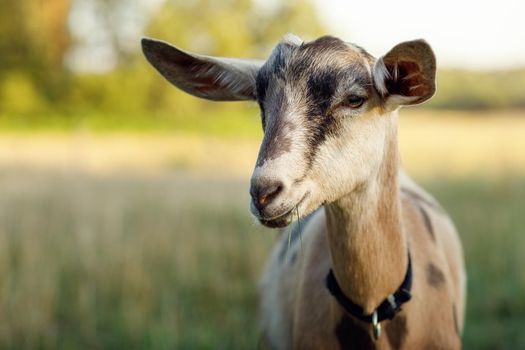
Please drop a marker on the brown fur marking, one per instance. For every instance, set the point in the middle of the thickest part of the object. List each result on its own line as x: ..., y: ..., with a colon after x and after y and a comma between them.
x: 435, y: 276
x: 428, y: 222
x: 456, y: 324
x: 417, y: 197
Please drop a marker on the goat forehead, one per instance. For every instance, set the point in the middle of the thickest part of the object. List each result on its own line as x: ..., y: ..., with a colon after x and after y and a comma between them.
x: 327, y: 47
x: 326, y: 56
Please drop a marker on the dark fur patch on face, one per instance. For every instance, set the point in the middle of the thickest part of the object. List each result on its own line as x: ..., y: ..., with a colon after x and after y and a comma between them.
x: 320, y: 89
x: 396, y: 331
x: 352, y: 335
x: 261, y: 85
x: 435, y: 276
x: 428, y: 222
x: 275, y: 142
x: 321, y: 123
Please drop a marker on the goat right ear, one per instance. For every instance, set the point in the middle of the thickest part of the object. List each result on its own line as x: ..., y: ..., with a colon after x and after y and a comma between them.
x: 406, y: 74
x: 213, y: 78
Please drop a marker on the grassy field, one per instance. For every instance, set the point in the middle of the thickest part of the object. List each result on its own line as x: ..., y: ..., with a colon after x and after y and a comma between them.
x: 124, y: 240
x: 124, y: 262
x: 171, y: 261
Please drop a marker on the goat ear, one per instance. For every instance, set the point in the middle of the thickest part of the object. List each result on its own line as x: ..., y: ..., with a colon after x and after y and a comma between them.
x: 213, y: 78
x: 406, y: 74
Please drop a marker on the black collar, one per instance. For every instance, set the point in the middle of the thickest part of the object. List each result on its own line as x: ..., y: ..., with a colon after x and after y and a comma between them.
x: 386, y: 310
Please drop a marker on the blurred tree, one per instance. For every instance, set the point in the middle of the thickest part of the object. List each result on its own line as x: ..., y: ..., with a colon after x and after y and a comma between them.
x: 241, y: 28
x: 33, y: 41
x: 476, y: 90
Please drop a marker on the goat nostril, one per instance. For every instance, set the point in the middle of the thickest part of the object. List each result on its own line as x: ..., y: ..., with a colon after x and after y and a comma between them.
x: 268, y: 193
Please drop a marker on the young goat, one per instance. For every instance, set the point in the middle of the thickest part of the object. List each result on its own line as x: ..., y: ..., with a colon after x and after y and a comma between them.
x: 377, y: 250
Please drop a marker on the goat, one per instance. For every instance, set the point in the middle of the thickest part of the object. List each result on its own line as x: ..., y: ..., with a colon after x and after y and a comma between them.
x: 378, y: 251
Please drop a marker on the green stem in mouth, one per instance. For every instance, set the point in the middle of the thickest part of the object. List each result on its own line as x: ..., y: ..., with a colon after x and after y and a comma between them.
x: 300, y: 231
x: 289, y: 240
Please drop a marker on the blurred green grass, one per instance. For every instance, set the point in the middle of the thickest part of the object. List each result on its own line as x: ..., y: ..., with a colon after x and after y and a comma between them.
x: 490, y: 220
x: 225, y: 121
x: 172, y: 260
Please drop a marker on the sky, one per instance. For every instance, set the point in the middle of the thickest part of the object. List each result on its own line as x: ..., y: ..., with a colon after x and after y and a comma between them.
x: 483, y: 34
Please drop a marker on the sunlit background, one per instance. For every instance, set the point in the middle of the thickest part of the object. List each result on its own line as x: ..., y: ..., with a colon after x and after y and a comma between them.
x: 124, y: 202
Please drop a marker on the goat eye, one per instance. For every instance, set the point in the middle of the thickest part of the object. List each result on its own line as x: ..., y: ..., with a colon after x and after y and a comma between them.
x: 354, y: 101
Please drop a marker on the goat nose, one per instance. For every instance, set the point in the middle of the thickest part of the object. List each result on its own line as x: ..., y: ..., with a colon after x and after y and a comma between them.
x: 263, y: 194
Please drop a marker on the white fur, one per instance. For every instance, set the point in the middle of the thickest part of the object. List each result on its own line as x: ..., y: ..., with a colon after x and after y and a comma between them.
x: 292, y: 39
x: 380, y: 74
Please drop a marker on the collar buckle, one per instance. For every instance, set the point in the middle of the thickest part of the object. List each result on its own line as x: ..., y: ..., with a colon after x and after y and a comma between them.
x: 376, y: 326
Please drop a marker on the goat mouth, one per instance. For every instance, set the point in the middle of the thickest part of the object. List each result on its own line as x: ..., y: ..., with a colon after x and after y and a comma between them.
x: 278, y: 221
x: 284, y: 219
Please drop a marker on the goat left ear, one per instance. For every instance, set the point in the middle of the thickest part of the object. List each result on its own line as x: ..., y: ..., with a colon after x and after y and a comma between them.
x: 406, y: 75
x: 212, y: 78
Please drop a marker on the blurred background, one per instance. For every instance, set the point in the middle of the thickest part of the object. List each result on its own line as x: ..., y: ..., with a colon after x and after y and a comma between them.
x: 124, y: 216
